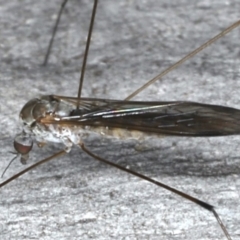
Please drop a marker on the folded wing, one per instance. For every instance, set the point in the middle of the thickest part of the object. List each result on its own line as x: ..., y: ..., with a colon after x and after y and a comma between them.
x: 172, y: 118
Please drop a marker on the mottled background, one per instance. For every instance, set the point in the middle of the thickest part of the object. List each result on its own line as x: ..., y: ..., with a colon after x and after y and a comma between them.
x: 75, y: 197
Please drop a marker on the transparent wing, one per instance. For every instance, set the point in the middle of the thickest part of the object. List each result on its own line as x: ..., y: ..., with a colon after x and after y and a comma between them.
x: 173, y: 118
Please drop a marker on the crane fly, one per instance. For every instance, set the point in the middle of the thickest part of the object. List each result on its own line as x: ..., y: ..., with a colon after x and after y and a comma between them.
x: 69, y: 120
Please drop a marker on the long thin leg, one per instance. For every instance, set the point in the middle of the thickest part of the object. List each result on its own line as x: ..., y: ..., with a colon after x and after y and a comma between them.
x: 202, y: 204
x: 181, y: 61
x: 54, y: 32
x: 86, y: 50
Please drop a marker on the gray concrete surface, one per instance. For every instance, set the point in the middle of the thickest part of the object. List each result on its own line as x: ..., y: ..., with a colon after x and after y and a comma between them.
x: 75, y: 197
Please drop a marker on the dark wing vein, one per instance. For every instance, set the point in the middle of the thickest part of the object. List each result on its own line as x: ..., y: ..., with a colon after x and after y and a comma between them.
x: 173, y: 118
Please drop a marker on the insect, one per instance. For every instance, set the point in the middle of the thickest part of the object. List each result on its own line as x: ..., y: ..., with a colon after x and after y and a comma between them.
x: 92, y: 219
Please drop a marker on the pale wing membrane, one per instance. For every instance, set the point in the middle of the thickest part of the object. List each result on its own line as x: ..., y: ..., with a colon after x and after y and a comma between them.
x: 173, y: 118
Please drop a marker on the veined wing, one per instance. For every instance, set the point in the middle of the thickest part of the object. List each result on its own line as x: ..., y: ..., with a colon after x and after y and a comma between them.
x: 173, y: 118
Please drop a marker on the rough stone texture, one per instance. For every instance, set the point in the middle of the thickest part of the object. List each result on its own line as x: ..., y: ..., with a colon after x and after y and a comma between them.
x: 75, y: 197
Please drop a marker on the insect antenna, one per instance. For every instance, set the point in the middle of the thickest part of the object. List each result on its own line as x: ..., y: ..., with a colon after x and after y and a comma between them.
x: 62, y: 152
x: 203, y: 204
x: 9, y: 164
x: 58, y: 154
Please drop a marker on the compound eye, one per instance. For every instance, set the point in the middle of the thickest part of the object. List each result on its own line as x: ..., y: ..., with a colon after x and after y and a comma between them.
x: 23, y: 144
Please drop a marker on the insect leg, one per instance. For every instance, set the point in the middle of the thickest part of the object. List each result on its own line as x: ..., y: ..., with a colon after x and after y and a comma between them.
x: 202, y: 204
x: 54, y: 32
